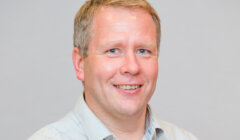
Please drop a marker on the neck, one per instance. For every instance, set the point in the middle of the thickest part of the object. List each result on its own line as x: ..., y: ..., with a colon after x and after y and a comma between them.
x: 128, y: 127
x: 124, y: 127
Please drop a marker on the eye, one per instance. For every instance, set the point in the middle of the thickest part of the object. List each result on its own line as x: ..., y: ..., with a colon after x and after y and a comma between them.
x: 113, y: 52
x: 143, y: 52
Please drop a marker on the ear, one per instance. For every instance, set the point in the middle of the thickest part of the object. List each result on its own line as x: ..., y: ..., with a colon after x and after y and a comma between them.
x: 78, y: 64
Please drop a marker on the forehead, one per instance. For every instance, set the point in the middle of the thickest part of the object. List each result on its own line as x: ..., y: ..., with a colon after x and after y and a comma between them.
x: 111, y: 13
x: 119, y: 23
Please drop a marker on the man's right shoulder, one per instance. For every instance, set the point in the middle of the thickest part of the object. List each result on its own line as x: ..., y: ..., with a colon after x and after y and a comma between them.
x: 67, y: 128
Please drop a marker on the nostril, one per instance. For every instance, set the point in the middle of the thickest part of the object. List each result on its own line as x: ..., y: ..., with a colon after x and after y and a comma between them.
x: 132, y: 67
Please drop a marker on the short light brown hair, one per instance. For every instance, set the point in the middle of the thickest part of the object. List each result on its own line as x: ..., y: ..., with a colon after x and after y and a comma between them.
x: 84, y: 17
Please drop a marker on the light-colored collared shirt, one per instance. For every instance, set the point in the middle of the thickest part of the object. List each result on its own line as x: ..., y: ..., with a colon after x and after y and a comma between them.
x: 82, y: 124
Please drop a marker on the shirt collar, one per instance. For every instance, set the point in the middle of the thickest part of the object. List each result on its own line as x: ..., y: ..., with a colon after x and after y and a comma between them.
x: 153, y: 129
x: 95, y: 129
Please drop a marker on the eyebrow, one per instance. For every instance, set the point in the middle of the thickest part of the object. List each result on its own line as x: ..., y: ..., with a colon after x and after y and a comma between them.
x: 112, y: 43
x: 119, y: 43
x: 147, y: 44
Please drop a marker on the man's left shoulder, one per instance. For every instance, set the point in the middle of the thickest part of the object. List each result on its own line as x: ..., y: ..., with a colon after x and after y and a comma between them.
x: 173, y: 132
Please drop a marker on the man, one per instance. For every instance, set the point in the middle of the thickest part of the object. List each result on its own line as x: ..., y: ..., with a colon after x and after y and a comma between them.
x: 115, y: 55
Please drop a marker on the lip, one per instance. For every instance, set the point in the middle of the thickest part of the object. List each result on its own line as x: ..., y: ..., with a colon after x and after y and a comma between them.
x: 128, y: 92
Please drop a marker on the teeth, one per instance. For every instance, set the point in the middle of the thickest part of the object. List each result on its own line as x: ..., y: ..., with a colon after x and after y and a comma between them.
x: 128, y: 87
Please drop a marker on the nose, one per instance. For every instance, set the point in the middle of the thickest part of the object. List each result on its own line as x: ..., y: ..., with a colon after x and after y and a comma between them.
x: 130, y: 64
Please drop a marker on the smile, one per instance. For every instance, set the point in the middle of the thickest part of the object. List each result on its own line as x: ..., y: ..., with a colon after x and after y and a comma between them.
x: 128, y: 87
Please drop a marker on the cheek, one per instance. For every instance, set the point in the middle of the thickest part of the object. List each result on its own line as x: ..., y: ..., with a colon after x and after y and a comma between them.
x: 150, y: 70
x: 105, y: 69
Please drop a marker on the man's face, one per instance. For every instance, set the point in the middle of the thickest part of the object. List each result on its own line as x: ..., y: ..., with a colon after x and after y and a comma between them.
x: 121, y: 69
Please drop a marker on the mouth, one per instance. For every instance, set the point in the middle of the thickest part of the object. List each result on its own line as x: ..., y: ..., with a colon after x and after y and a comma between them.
x: 128, y: 87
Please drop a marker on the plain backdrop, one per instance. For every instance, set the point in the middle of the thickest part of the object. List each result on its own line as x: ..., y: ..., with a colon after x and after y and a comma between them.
x: 199, y: 82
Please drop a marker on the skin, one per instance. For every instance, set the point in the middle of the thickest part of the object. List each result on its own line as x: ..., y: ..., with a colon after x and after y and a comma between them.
x: 122, y: 51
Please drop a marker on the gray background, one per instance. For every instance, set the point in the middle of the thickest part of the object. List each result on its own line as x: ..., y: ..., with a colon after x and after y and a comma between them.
x: 199, y: 81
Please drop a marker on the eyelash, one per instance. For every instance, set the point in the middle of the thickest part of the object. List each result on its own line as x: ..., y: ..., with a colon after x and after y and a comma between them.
x: 144, y: 52
x: 111, y: 50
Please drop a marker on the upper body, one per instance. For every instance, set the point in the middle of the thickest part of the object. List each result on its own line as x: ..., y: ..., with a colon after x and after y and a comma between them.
x: 82, y: 124
x: 115, y: 55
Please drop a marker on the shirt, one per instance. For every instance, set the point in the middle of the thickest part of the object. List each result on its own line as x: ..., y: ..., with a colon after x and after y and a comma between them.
x: 82, y: 124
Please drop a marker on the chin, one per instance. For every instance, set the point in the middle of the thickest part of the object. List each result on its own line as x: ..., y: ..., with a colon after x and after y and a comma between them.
x: 131, y: 110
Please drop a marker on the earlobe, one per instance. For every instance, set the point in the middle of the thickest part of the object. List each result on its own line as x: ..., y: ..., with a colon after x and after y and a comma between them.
x: 78, y: 64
